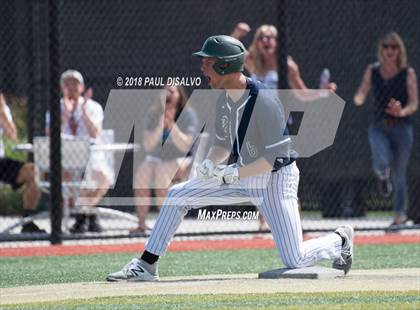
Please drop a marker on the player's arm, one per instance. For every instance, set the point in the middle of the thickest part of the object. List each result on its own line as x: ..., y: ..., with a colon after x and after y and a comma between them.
x: 273, y: 143
x: 219, y: 151
x: 221, y: 147
x: 364, y: 88
x: 6, y: 120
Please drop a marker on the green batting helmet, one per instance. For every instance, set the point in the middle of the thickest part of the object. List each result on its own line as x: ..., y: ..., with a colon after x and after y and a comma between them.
x: 229, y: 52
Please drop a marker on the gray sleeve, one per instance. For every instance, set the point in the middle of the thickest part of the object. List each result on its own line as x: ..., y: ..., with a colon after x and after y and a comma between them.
x: 271, y: 124
x: 221, y: 128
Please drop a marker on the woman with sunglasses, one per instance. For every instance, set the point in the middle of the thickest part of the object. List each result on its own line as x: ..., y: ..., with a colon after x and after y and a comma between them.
x: 261, y: 60
x: 395, y: 94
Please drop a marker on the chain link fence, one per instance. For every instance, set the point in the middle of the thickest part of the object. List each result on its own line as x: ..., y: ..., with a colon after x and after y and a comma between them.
x: 105, y: 41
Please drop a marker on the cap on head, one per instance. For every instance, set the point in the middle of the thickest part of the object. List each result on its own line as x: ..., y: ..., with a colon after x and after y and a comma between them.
x: 229, y: 52
x: 72, y: 74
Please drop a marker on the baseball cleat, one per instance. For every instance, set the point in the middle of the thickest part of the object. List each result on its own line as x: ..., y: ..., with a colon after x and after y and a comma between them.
x: 346, y: 259
x: 135, y: 270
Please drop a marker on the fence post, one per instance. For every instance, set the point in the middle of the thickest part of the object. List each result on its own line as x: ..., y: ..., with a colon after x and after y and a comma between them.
x: 282, y: 39
x: 55, y: 129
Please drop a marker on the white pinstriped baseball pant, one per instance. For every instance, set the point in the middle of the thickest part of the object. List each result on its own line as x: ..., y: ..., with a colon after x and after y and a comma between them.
x: 275, y: 194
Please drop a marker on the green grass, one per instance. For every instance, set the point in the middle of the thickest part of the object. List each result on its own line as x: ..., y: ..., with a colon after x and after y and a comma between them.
x: 312, y: 301
x: 18, y: 271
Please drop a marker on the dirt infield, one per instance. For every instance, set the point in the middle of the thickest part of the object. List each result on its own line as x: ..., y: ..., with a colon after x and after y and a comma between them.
x: 358, y: 280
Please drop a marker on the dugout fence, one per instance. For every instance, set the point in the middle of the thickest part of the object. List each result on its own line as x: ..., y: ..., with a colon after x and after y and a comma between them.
x: 107, y: 40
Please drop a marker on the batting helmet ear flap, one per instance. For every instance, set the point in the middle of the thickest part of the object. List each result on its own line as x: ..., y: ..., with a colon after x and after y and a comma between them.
x: 229, y: 52
x: 220, y: 66
x: 224, y: 65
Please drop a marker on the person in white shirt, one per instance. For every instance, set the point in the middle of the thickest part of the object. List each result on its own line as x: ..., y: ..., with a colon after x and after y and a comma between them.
x: 17, y: 173
x: 82, y: 117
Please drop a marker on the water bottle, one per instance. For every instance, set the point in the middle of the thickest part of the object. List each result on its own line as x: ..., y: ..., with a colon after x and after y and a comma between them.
x: 324, y: 79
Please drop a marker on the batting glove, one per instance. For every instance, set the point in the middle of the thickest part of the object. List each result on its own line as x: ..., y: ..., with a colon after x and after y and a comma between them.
x: 205, y: 170
x: 226, y: 174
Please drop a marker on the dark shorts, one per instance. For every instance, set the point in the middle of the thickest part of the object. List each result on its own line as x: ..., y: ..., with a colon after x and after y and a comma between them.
x: 9, y: 171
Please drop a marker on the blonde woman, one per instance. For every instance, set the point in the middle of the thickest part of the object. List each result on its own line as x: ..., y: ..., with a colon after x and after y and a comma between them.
x: 261, y: 60
x: 395, y: 92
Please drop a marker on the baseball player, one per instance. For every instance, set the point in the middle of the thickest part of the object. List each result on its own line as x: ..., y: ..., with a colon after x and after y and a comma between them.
x: 260, y: 167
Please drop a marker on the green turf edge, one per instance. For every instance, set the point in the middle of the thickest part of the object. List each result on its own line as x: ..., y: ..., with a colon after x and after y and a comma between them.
x: 336, y: 300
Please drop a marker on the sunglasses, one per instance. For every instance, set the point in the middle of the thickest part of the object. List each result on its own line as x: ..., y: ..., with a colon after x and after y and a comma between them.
x: 391, y: 46
x: 266, y: 37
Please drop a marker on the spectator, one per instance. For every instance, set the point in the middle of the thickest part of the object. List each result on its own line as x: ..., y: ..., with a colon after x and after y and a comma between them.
x: 261, y: 60
x: 395, y: 93
x: 158, y: 168
x: 82, y: 117
x: 17, y: 173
